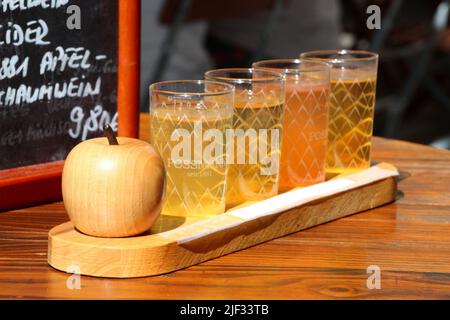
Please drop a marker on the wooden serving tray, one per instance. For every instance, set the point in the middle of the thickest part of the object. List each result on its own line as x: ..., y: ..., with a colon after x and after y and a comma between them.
x: 174, y: 243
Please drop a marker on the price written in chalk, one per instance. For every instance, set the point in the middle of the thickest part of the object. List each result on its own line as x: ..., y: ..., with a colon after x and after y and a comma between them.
x: 92, y: 122
x: 56, y: 85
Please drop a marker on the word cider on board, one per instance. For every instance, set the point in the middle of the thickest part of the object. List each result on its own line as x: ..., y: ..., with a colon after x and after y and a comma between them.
x: 59, y: 80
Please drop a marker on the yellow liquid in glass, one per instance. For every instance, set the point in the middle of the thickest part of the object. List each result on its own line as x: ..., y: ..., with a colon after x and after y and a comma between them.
x: 249, y: 181
x: 195, y: 187
x: 352, y: 105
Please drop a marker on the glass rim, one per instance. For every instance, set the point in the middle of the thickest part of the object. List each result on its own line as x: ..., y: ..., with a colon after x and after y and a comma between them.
x: 315, y: 55
x: 227, y: 88
x: 321, y: 65
x: 273, y: 76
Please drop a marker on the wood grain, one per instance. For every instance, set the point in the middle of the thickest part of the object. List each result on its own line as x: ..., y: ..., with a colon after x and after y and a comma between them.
x: 408, y: 239
x: 189, y: 244
x: 113, y: 190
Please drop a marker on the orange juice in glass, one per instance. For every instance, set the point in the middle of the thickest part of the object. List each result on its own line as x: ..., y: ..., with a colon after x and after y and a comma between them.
x: 305, y: 124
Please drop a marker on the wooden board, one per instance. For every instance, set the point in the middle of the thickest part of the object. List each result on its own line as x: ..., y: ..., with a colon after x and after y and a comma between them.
x: 174, y: 243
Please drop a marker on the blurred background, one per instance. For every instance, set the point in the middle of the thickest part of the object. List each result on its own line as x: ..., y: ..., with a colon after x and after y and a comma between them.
x: 181, y: 39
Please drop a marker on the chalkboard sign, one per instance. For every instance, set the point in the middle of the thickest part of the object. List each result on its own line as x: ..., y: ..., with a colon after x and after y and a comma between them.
x: 67, y: 67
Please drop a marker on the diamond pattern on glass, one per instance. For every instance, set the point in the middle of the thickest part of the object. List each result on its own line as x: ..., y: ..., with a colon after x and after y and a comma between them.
x: 260, y: 110
x: 304, y: 136
x: 350, y: 125
x: 193, y: 188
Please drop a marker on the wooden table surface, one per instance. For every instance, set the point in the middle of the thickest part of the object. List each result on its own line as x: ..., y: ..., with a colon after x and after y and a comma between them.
x: 409, y: 241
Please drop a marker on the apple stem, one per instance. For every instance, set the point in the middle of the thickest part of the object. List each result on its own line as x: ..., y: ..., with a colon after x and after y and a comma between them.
x: 109, y: 133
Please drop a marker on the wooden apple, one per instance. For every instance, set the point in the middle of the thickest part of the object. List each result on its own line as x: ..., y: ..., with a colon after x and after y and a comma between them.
x: 113, y: 188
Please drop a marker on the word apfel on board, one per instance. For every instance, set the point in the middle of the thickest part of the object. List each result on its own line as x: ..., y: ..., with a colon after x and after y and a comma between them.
x: 58, y: 85
x: 66, y: 68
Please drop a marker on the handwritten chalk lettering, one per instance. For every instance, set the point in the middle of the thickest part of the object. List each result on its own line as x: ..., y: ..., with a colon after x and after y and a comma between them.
x: 74, y: 20
x: 34, y: 33
x: 25, y: 94
x: 11, y: 5
x: 41, y: 131
x: 11, y: 138
x: 108, y: 67
x: 12, y: 66
x: 14, y: 112
x: 60, y: 59
x: 65, y: 104
x: 82, y: 89
x: 85, y: 124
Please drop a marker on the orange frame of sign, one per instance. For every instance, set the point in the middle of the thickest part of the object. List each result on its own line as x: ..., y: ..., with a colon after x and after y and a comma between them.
x: 41, y: 183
